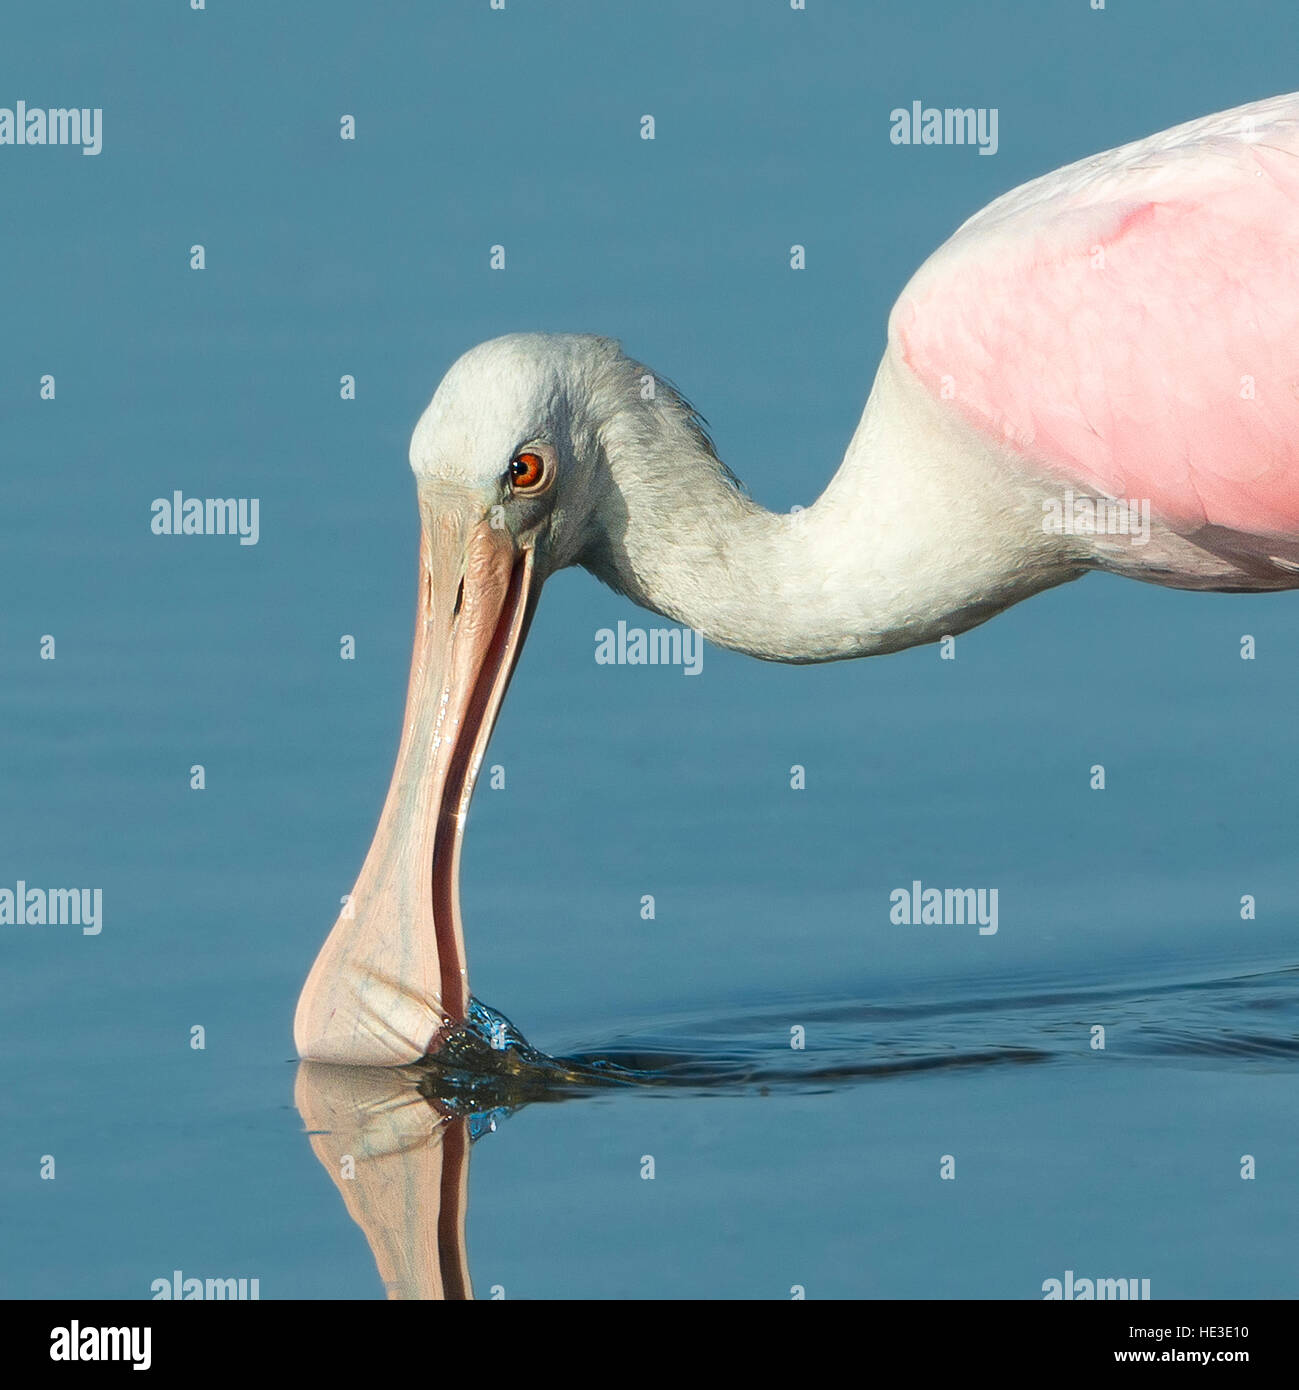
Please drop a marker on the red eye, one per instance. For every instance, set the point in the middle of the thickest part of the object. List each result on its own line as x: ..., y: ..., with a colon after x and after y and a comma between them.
x: 527, y: 471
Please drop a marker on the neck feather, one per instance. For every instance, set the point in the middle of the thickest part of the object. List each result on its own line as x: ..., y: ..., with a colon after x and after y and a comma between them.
x: 923, y: 532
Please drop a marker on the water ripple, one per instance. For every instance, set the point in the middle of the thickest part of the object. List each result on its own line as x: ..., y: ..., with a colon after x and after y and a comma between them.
x: 487, y: 1067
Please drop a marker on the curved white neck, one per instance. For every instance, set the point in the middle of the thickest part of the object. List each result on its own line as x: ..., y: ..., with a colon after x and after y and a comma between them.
x: 924, y: 531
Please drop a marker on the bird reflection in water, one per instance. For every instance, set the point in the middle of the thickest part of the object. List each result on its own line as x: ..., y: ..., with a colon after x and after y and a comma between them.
x: 396, y: 1140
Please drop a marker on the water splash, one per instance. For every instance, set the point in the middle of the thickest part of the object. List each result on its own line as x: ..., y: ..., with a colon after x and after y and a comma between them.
x: 487, y: 1069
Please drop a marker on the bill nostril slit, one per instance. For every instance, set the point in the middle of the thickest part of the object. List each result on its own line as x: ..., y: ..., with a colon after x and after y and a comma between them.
x: 460, y: 598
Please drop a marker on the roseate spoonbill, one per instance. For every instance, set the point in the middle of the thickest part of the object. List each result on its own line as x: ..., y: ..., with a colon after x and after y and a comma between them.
x: 1126, y: 328
x: 407, y: 1185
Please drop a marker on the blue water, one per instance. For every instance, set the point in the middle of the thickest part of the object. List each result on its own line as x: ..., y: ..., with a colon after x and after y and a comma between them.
x: 774, y: 1167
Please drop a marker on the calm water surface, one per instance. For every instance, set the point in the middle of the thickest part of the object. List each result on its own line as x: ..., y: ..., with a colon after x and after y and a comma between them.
x: 774, y: 1166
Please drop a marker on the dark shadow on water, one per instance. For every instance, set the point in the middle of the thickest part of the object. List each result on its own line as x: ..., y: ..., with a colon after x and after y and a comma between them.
x: 396, y: 1141
x: 486, y: 1064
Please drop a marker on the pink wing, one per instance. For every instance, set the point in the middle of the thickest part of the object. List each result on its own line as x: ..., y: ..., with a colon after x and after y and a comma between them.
x: 1131, y: 324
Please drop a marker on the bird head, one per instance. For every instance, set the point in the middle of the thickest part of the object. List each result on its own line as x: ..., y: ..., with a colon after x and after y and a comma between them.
x: 532, y: 455
x: 513, y: 449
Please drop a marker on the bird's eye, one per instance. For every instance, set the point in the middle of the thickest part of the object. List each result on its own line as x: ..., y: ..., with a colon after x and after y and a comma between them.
x: 527, y: 472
